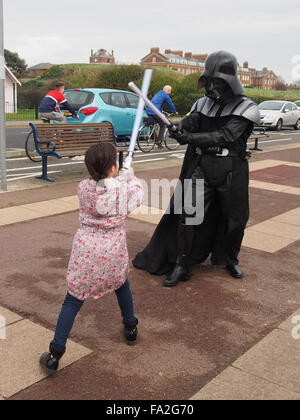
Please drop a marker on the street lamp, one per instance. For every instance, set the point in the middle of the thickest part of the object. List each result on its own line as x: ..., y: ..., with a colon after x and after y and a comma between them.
x: 3, y: 185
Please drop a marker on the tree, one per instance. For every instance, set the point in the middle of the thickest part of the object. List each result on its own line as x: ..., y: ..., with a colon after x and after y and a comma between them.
x: 281, y: 84
x: 16, y: 64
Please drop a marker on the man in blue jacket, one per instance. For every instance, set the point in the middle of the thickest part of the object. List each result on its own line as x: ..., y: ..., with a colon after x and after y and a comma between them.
x: 159, y: 100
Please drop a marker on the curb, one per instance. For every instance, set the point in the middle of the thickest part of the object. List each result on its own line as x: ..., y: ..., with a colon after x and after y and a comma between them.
x: 15, y: 153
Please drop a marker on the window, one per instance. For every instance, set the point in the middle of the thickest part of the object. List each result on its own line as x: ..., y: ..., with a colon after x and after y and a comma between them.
x: 118, y: 100
x: 105, y: 97
x: 288, y: 107
x: 133, y: 100
x: 79, y: 98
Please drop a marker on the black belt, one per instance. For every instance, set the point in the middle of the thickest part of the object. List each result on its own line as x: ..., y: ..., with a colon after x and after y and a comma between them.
x: 217, y: 151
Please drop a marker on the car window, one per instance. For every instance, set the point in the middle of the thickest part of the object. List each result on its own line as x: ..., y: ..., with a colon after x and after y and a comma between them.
x: 79, y: 98
x: 118, y: 99
x: 133, y: 100
x: 271, y: 106
x: 288, y: 107
x: 294, y: 108
x: 105, y: 97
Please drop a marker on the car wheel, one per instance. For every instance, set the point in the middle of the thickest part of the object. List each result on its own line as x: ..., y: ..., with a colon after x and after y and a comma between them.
x: 279, y: 125
x: 297, y: 126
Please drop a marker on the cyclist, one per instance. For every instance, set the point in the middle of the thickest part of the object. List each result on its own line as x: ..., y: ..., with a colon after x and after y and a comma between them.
x: 48, y: 108
x: 159, y: 100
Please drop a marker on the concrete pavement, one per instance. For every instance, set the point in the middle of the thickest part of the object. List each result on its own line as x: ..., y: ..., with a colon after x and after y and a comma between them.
x: 229, y: 339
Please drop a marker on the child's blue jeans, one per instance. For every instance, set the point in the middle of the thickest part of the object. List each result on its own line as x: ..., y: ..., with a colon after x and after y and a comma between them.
x: 72, y: 306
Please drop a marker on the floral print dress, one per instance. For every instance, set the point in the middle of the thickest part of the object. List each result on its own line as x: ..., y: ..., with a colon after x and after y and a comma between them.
x: 99, y: 262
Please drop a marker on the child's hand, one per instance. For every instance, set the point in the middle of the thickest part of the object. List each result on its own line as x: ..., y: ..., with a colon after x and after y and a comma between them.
x: 125, y: 171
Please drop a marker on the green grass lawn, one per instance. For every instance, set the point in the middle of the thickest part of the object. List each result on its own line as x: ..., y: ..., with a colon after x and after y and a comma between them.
x: 21, y: 115
x: 289, y: 95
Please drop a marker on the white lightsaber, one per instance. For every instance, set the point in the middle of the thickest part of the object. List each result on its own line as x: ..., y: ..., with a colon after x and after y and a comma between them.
x: 153, y: 107
x: 138, y: 119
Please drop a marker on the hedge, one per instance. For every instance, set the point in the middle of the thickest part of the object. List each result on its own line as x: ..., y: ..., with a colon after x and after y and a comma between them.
x: 184, y: 92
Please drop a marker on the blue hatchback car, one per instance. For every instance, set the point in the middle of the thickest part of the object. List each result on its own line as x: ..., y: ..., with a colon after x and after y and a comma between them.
x: 104, y: 105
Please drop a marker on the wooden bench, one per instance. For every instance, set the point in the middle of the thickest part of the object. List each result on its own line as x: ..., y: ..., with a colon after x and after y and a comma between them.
x: 258, y: 133
x: 70, y: 140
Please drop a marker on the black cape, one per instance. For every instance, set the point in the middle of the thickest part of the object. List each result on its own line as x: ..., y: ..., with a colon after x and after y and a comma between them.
x: 159, y: 257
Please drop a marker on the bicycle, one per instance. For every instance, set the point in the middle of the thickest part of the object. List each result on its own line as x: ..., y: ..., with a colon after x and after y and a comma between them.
x: 30, y: 144
x: 148, y: 135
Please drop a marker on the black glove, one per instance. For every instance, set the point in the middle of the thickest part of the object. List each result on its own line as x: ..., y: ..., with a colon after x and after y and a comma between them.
x: 182, y: 136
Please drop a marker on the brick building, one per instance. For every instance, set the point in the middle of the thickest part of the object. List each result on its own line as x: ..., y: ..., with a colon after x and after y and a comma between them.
x: 187, y: 63
x: 102, y: 56
x: 39, y: 69
x: 263, y: 79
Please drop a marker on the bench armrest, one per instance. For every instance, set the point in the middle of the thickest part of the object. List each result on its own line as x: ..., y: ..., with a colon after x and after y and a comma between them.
x: 51, y: 146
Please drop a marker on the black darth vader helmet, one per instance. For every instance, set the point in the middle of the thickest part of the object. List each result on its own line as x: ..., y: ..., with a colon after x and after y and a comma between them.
x: 221, y: 65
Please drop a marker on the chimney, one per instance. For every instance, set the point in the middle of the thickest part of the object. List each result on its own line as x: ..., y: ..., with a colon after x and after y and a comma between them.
x: 155, y: 50
x: 201, y: 57
x: 246, y: 65
x: 112, y: 52
x: 188, y: 55
x: 179, y: 53
x: 92, y: 53
x: 265, y: 69
x: 168, y: 51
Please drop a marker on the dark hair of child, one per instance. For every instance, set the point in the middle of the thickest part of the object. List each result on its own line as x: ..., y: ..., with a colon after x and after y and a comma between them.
x: 99, y: 159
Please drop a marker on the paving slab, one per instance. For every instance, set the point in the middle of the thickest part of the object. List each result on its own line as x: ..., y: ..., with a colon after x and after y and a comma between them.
x: 292, y: 217
x: 286, y: 189
x: 15, y: 215
x: 20, y: 354
x: 9, y: 316
x: 147, y: 214
x: 276, y: 359
x: 236, y: 385
x: 265, y: 241
x: 280, y: 229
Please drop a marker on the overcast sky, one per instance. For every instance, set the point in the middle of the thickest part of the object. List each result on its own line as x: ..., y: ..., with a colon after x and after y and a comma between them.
x: 264, y: 32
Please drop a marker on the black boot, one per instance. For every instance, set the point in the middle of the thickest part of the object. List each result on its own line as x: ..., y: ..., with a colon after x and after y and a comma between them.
x: 181, y: 272
x: 235, y: 271
x: 49, y: 361
x: 131, y: 333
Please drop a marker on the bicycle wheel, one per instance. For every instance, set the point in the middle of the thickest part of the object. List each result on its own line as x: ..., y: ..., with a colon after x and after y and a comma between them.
x: 30, y: 149
x: 171, y: 144
x: 146, y: 138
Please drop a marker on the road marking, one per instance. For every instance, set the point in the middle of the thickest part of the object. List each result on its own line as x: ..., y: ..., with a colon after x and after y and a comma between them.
x: 178, y: 156
x: 271, y: 141
x: 40, y: 167
x: 32, y: 175
x: 148, y: 160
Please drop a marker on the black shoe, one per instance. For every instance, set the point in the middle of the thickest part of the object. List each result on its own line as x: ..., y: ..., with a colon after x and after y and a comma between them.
x: 131, y: 333
x: 235, y: 271
x: 160, y: 146
x: 180, y: 273
x: 49, y: 362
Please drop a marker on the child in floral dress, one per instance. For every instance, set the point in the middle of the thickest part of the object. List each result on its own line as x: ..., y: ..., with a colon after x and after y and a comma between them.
x: 99, y: 260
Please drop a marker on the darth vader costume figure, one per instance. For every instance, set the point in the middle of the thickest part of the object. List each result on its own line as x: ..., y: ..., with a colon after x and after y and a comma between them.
x: 216, y: 132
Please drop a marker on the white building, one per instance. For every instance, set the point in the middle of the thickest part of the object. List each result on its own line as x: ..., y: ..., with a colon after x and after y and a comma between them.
x: 11, y: 87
